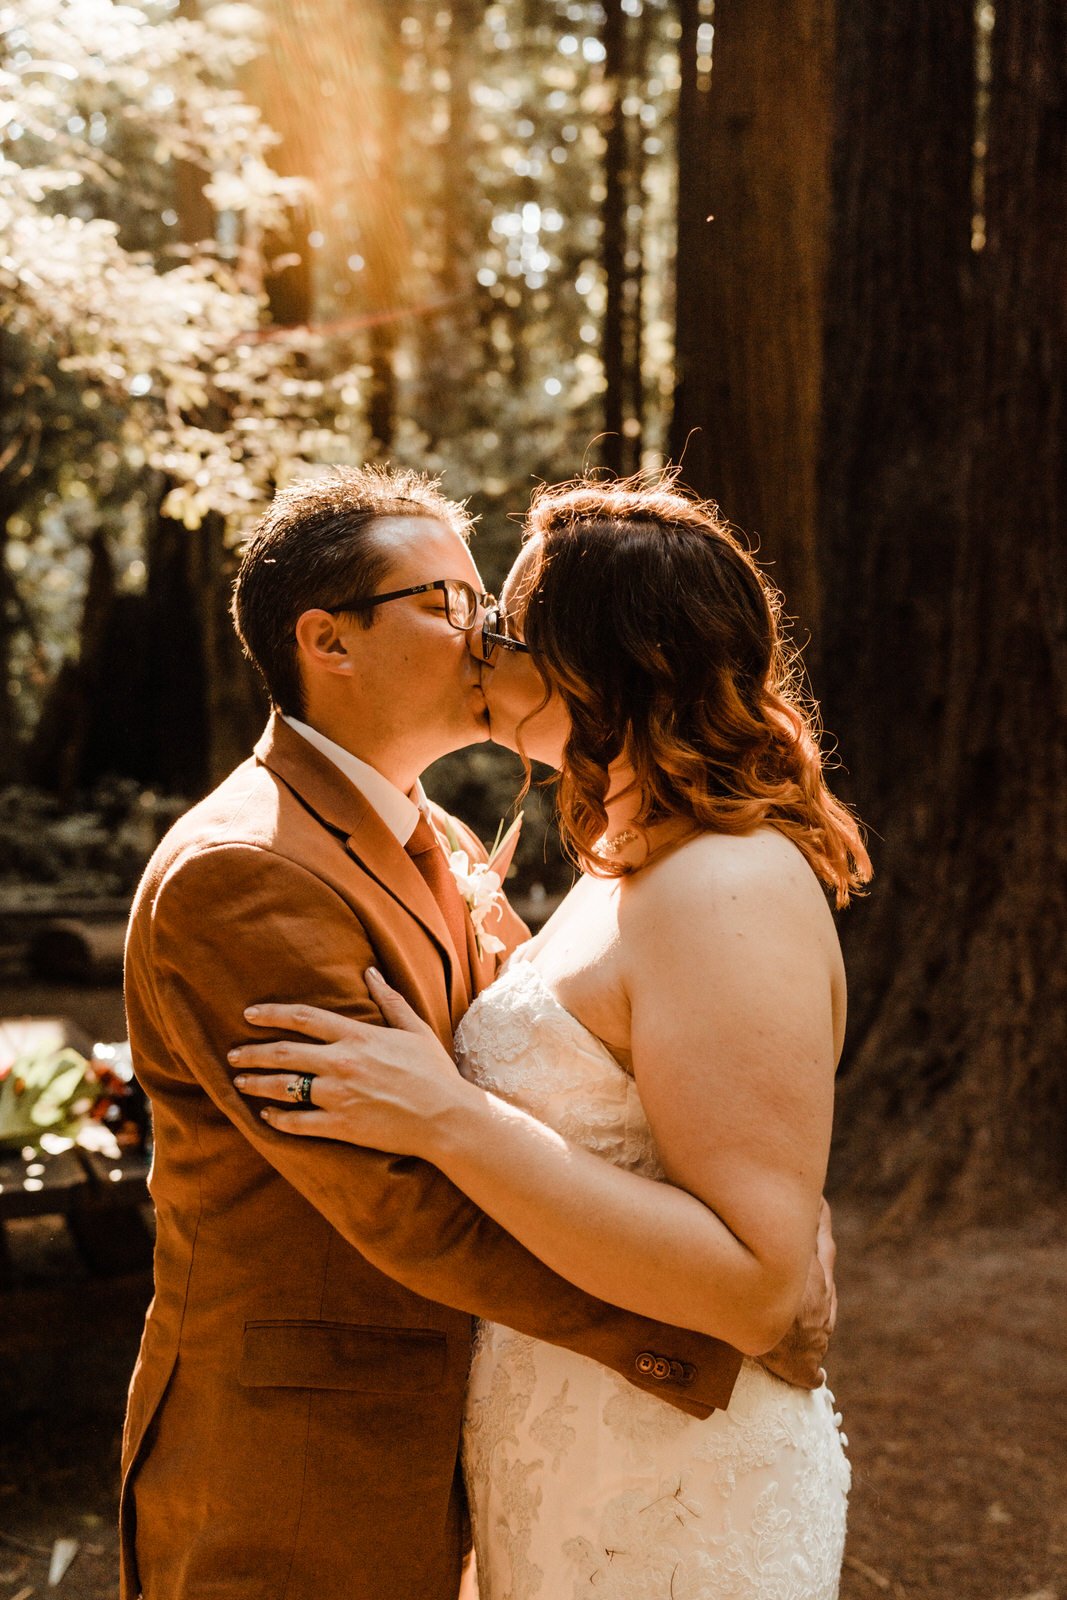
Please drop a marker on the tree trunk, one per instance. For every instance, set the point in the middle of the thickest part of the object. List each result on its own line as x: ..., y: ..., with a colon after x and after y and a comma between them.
x: 754, y: 155
x: 613, y: 236
x: 893, y: 488
x: 458, y: 176
x: 56, y: 758
x: 385, y: 233
x: 927, y: 481
x: 10, y: 750
x: 175, y: 688
x: 454, y: 349
x: 279, y: 81
x: 964, y: 1025
x: 20, y: 437
x: 236, y: 705
x: 635, y: 420
x: 202, y: 703
x: 692, y: 351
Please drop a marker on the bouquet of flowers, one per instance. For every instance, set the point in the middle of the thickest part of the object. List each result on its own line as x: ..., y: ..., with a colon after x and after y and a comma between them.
x: 52, y: 1097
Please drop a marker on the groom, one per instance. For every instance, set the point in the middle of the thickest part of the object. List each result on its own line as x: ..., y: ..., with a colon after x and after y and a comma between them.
x: 294, y: 1416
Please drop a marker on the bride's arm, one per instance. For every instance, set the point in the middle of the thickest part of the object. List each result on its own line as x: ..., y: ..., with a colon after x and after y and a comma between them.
x: 728, y: 973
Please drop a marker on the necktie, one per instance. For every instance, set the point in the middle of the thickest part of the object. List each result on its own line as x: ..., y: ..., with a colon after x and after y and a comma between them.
x: 424, y: 848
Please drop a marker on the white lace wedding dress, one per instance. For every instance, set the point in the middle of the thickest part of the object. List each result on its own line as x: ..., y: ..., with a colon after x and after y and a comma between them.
x: 581, y: 1485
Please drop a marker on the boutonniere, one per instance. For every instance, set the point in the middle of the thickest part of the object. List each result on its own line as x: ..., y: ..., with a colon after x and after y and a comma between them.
x: 481, y: 883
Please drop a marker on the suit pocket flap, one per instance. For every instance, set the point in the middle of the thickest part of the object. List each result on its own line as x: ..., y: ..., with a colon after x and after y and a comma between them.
x: 340, y: 1355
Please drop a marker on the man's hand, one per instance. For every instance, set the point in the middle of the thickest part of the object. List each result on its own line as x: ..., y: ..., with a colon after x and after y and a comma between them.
x: 798, y: 1357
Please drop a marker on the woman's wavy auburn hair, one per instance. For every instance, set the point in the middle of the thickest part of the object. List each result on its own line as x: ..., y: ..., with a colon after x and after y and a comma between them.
x: 664, y: 640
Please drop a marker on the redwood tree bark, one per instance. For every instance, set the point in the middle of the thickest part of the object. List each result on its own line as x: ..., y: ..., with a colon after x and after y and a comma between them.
x: 56, y: 757
x: 925, y: 483
x: 754, y: 155
x: 454, y: 348
x: 947, y: 632
x: 613, y: 235
x: 692, y: 345
x: 385, y: 243
x: 10, y: 748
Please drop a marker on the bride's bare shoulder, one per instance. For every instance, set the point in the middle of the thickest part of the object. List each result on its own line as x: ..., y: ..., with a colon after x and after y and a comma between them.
x: 719, y: 876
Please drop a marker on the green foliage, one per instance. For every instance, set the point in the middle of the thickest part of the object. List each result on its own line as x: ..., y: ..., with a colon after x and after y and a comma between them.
x: 97, y: 850
x: 137, y: 367
x: 146, y: 349
x: 50, y: 1092
x: 52, y: 1097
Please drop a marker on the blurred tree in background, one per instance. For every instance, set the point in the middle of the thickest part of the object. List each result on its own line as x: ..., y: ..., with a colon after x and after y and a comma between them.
x: 880, y: 375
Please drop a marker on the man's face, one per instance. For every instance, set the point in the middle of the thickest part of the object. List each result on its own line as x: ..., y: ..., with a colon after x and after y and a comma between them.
x: 414, y: 679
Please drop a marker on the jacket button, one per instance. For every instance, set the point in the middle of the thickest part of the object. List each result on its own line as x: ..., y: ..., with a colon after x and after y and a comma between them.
x: 661, y: 1368
x: 645, y: 1363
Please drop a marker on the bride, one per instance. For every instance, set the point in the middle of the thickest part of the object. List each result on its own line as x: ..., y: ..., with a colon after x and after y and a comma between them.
x: 645, y: 1093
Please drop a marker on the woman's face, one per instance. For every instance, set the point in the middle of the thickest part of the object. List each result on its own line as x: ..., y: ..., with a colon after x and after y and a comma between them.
x: 512, y: 686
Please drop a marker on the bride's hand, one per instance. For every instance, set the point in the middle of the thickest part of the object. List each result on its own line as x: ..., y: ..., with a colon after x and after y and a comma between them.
x: 799, y: 1356
x: 384, y: 1088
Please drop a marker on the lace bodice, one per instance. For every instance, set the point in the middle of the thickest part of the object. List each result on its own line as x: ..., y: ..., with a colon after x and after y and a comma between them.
x: 519, y: 1042
x: 578, y: 1482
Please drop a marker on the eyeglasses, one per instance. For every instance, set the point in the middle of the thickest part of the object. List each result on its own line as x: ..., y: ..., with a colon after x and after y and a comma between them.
x: 492, y: 636
x: 461, y: 600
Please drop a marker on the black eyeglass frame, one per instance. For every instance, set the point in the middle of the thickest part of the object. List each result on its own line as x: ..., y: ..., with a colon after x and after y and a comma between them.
x: 491, y: 636
x: 444, y: 584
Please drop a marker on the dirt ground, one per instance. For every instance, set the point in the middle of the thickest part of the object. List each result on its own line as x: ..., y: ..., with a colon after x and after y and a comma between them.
x: 950, y: 1366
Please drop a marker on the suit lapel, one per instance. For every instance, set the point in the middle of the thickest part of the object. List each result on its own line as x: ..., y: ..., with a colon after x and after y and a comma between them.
x: 345, y: 809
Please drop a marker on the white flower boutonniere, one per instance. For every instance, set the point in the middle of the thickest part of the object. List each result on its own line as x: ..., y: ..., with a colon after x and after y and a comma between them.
x: 481, y: 883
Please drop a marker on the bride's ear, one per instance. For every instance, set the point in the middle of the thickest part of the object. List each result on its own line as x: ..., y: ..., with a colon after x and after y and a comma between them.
x: 322, y: 643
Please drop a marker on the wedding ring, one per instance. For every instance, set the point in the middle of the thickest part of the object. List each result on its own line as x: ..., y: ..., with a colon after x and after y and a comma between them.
x: 299, y: 1089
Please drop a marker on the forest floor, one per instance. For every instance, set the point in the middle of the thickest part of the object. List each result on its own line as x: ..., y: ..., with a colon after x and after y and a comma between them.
x: 950, y: 1366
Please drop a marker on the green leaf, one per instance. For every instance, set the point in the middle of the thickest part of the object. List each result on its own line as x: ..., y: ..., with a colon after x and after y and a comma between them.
x: 38, y: 1095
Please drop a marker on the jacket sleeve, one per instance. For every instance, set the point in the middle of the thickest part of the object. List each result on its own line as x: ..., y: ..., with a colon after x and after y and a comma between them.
x: 233, y: 924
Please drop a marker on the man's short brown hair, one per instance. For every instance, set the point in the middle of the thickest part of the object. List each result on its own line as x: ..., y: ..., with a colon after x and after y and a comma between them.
x: 315, y: 546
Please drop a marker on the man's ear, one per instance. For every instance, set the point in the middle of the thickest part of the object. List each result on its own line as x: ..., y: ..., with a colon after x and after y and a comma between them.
x: 322, y: 642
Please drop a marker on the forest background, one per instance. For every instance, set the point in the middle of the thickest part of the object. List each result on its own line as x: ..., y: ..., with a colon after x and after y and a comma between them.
x: 816, y: 249
x: 502, y: 242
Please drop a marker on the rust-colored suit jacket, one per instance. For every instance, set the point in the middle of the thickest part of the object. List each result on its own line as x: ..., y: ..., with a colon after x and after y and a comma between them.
x: 294, y: 1415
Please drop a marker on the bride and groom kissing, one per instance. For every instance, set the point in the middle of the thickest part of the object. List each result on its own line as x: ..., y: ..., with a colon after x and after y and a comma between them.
x: 577, y: 1293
